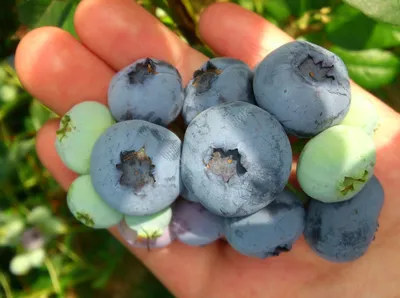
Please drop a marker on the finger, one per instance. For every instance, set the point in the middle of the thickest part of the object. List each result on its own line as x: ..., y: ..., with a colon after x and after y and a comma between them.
x: 240, y: 33
x: 55, y: 68
x: 168, y: 264
x: 121, y: 31
x: 234, y: 31
x: 183, y: 269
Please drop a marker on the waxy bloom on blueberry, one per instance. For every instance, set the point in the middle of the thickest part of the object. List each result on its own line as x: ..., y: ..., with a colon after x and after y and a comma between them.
x: 305, y: 86
x: 343, y: 231
x: 219, y: 80
x: 135, y: 167
x: 236, y: 158
x: 148, y: 89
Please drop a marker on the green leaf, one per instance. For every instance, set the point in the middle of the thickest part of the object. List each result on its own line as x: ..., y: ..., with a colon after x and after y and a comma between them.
x: 39, y: 114
x: 8, y: 25
x: 7, y: 172
x: 19, y: 150
x: 351, y: 29
x: 11, y: 231
x: 383, y: 10
x: 53, y: 226
x: 283, y: 9
x: 55, y: 14
x: 318, y: 38
x: 3, y: 74
x: 258, y: 6
x: 248, y: 4
x: 278, y: 9
x: 29, y: 12
x: 39, y: 13
x: 68, y: 24
x: 39, y: 215
x: 370, y: 68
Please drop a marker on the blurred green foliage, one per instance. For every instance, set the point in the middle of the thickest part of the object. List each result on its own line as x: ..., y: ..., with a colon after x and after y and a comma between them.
x: 44, y: 251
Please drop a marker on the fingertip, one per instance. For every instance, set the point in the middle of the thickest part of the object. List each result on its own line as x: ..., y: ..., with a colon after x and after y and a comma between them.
x: 209, y: 17
x: 46, y: 134
x: 50, y: 60
x: 34, y: 46
x: 212, y: 13
x: 46, y: 151
x: 236, y: 32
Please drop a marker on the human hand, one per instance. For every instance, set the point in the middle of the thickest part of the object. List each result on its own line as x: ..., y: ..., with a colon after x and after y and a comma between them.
x: 62, y: 72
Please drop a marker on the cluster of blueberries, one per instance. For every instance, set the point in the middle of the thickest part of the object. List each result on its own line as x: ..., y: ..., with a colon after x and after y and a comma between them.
x: 212, y: 160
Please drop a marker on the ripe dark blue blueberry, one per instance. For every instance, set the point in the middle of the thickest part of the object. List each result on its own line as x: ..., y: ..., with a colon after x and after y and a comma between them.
x: 342, y: 232
x: 305, y: 86
x: 236, y: 158
x: 219, y: 80
x: 270, y: 231
x: 135, y: 167
x: 148, y: 89
x: 187, y: 195
x: 195, y: 225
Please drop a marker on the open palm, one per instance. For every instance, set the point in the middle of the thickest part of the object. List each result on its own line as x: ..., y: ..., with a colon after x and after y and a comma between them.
x: 61, y: 71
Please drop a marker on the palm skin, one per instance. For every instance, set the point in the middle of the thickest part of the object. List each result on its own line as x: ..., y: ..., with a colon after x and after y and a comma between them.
x: 61, y: 72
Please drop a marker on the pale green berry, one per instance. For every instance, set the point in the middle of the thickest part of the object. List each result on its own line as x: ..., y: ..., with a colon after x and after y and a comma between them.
x: 362, y: 114
x: 87, y: 206
x: 336, y: 164
x: 20, y: 264
x: 150, y: 226
x: 79, y: 130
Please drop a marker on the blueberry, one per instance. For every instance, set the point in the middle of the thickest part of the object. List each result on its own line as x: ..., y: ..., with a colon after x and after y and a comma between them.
x: 362, y: 114
x: 195, y: 225
x: 270, y: 231
x: 87, y: 206
x: 235, y: 158
x: 217, y: 81
x: 150, y: 225
x: 305, y: 86
x: 187, y: 195
x: 135, y: 167
x: 150, y: 241
x: 343, y: 232
x: 79, y: 129
x: 335, y: 165
x: 148, y: 89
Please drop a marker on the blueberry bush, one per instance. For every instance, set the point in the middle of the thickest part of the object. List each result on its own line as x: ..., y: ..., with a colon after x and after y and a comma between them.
x: 45, y: 251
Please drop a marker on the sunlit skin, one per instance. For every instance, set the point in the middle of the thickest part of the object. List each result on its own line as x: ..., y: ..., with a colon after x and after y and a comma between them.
x: 62, y: 71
